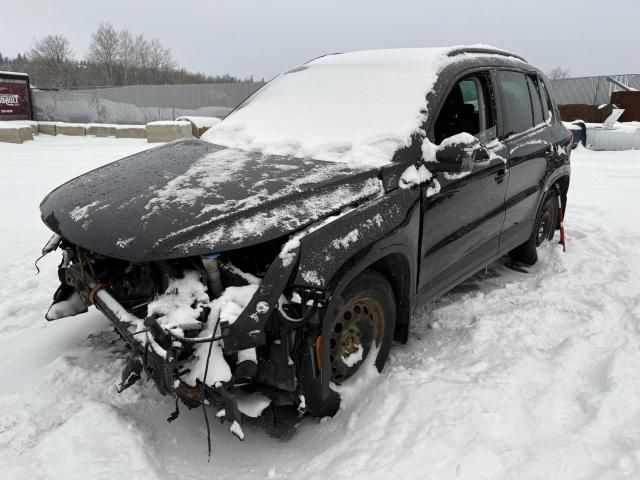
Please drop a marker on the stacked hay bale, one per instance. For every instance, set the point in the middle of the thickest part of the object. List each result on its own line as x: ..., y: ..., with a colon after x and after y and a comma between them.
x: 131, y: 131
x: 72, y: 129
x: 101, y: 129
x: 167, y: 131
x: 47, y: 128
x: 15, y: 133
x: 199, y: 125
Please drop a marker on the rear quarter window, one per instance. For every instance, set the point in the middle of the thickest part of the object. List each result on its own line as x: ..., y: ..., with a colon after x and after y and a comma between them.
x: 547, y: 106
x: 517, y: 113
x: 538, y: 116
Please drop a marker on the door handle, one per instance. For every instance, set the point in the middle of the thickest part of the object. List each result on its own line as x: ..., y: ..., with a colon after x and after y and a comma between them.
x: 500, y: 174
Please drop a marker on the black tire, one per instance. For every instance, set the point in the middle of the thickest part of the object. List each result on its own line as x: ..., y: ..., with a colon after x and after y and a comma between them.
x: 364, y: 315
x: 543, y: 229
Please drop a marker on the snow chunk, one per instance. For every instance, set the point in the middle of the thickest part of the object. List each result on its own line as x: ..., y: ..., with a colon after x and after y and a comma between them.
x: 80, y: 213
x: 123, y: 242
x: 348, y: 239
x: 433, y: 189
x: 357, y: 108
x: 353, y: 358
x: 252, y: 404
x: 67, y: 308
x: 226, y: 308
x: 429, y: 151
x: 232, y: 302
x: 463, y: 138
x: 174, y: 307
x: 311, y: 276
x: 413, y: 176
x: 236, y: 429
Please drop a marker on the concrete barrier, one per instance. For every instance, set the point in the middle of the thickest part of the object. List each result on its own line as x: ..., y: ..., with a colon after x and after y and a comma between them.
x: 131, y: 131
x: 166, y: 131
x: 101, y: 129
x: 73, y: 129
x: 15, y: 133
x: 47, y: 128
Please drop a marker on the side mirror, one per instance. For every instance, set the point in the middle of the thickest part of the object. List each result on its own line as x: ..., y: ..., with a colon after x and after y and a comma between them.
x: 458, y: 154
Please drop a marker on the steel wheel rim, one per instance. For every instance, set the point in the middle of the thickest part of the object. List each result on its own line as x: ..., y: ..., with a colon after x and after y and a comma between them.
x: 544, y: 224
x: 354, y: 330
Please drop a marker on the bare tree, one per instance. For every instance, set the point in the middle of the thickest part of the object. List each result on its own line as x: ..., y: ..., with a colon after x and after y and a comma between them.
x: 160, y: 60
x: 54, y: 55
x: 126, y: 53
x: 141, y: 56
x: 558, y: 73
x: 104, y: 51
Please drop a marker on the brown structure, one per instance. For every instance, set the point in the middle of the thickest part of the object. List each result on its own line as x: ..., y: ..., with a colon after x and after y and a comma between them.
x: 587, y: 113
x: 630, y: 101
x: 15, y: 96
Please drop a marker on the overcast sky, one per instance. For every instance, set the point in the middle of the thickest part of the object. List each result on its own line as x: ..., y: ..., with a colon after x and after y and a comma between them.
x: 264, y: 37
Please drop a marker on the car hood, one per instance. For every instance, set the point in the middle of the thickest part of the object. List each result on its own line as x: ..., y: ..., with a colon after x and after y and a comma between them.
x: 193, y: 198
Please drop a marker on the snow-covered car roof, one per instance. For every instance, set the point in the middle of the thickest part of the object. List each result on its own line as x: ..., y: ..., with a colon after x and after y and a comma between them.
x: 358, y: 107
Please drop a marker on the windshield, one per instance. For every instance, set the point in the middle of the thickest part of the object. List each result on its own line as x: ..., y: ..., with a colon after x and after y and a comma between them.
x: 357, y: 108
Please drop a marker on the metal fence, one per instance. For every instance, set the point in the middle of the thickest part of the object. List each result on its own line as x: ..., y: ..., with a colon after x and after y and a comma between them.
x: 589, y: 90
x: 139, y: 104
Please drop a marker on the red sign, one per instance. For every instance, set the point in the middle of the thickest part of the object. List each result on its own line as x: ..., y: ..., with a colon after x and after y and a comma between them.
x: 14, y: 98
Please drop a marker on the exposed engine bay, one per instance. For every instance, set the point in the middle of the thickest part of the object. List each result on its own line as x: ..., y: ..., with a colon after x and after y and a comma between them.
x: 221, y: 329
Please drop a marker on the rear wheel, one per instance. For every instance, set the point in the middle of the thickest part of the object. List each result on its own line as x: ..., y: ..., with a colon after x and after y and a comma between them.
x: 543, y: 229
x: 363, y: 320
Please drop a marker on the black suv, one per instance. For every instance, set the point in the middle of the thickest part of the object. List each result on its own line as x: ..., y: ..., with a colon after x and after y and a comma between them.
x: 273, y: 255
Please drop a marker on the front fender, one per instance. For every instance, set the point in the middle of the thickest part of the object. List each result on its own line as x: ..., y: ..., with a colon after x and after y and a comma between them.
x: 332, y: 256
x: 328, y: 253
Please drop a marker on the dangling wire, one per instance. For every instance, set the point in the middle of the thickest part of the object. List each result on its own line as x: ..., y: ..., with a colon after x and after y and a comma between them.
x: 204, y: 385
x: 35, y: 264
x: 206, y: 421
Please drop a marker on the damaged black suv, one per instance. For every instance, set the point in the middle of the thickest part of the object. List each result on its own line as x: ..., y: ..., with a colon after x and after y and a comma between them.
x: 293, y: 241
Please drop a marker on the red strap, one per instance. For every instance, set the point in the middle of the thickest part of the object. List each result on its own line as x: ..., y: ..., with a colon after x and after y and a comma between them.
x: 563, y: 240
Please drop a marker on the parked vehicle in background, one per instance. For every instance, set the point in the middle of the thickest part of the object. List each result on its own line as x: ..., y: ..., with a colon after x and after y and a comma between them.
x: 292, y: 242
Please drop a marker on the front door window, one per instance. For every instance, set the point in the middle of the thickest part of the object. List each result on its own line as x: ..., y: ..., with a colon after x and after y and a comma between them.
x: 468, y: 108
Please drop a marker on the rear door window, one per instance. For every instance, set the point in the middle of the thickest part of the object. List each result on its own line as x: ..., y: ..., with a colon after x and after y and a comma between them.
x: 517, y: 112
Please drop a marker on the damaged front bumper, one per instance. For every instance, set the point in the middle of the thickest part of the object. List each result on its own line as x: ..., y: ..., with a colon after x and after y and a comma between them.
x: 159, y: 352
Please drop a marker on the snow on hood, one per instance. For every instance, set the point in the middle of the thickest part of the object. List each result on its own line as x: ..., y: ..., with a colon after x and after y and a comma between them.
x: 356, y: 108
x: 192, y: 197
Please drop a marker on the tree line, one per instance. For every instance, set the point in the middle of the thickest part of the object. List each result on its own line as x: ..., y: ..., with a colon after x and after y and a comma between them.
x: 114, y: 58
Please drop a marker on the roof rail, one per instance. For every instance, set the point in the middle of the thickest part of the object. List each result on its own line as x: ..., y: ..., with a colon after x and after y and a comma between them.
x: 484, y: 50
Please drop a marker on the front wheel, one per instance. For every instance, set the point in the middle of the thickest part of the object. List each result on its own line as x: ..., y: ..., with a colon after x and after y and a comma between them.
x: 543, y: 229
x: 363, y: 321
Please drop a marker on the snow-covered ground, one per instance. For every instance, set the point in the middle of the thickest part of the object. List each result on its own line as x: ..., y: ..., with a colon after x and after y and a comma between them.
x: 512, y: 375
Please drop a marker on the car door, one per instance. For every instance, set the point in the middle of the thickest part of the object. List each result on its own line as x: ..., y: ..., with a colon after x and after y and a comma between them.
x: 463, y: 220
x: 530, y: 143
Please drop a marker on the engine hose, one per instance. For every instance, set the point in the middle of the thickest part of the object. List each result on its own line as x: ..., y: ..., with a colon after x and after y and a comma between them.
x: 193, y: 340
